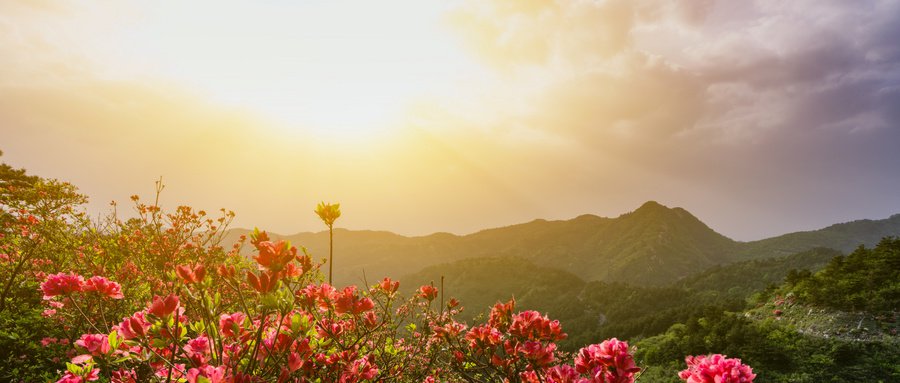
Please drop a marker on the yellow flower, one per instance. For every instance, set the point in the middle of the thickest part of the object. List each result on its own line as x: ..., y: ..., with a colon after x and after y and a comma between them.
x: 328, y: 212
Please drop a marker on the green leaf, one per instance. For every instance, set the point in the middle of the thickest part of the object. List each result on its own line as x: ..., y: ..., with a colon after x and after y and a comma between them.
x: 74, y: 369
x: 113, y: 339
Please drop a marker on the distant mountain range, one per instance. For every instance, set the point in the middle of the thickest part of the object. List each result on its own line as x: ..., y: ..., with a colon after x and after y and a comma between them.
x: 651, y: 246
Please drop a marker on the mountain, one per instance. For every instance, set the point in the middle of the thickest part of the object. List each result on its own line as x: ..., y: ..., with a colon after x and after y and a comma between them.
x: 653, y: 245
x: 844, y: 237
x: 740, y: 279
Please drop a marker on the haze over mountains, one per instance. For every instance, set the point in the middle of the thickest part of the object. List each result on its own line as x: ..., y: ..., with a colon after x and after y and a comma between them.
x: 653, y: 245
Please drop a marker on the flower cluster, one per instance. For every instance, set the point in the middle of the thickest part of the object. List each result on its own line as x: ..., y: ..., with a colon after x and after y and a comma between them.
x: 63, y: 284
x: 521, y: 347
x: 716, y: 368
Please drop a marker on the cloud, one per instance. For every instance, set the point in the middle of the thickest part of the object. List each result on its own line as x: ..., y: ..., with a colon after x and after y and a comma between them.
x: 613, y: 73
x: 712, y: 93
x: 781, y: 108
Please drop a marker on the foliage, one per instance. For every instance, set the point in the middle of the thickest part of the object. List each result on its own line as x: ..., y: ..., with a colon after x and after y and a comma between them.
x: 777, y: 353
x: 867, y: 279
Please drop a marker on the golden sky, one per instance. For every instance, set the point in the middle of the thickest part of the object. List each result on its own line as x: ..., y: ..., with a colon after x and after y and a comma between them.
x: 760, y: 117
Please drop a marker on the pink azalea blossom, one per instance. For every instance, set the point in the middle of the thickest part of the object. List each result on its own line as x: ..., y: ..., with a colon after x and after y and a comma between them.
x: 609, y: 361
x: 134, y: 326
x: 212, y: 374
x: 562, y: 374
x: 428, y: 292
x: 61, y: 284
x: 96, y: 344
x: 716, y: 368
x: 104, y: 287
x: 232, y: 324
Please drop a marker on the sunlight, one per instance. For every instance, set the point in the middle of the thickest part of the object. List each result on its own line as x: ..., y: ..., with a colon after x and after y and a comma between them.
x: 326, y: 68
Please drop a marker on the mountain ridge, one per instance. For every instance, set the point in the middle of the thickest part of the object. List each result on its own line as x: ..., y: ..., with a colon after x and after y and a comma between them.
x: 651, y: 245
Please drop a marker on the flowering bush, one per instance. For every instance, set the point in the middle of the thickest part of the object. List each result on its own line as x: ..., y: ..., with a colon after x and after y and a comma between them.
x: 283, y: 324
x: 187, y: 310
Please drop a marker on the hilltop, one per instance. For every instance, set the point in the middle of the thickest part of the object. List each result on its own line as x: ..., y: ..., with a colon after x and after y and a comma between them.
x: 653, y: 245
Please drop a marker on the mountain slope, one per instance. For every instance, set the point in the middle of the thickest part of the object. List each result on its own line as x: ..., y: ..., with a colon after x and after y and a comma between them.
x: 843, y: 236
x: 479, y: 283
x: 653, y: 245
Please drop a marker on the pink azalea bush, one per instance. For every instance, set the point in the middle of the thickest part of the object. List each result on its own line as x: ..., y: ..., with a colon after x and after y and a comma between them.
x: 272, y: 319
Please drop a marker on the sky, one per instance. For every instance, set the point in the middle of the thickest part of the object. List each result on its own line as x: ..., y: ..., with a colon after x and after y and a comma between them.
x: 759, y: 117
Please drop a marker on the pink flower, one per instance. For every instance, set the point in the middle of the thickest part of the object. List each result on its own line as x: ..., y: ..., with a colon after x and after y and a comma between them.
x: 428, y: 292
x: 124, y: 376
x: 348, y: 301
x: 448, y: 331
x: 501, y: 315
x: 370, y: 319
x: 537, y: 353
x: 198, y: 349
x: 212, y: 374
x: 361, y: 369
x: 134, y: 326
x: 178, y: 371
x: 529, y: 377
x: 232, y: 325
x: 295, y: 361
x: 716, y: 368
x: 274, y: 256
x: 191, y: 274
x: 47, y: 341
x: 531, y: 325
x: 389, y: 286
x: 48, y: 313
x: 162, y: 308
x: 96, y: 344
x: 265, y: 282
x: 607, y: 361
x: 483, y: 336
x: 562, y: 374
x: 199, y: 344
x: 61, y: 284
x: 104, y: 287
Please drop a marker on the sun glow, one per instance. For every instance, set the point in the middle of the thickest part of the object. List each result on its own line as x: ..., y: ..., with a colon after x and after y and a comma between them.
x: 335, y: 68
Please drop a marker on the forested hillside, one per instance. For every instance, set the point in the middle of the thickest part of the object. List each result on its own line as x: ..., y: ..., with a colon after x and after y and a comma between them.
x: 651, y: 246
x: 838, y: 324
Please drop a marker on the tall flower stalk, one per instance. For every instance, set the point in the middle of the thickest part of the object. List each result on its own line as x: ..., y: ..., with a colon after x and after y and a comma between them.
x: 329, y: 213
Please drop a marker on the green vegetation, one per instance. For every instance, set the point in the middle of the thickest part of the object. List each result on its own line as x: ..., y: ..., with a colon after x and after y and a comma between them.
x: 867, y: 279
x: 651, y: 246
x: 742, y: 279
x: 600, y: 310
x: 798, y: 332
x: 777, y: 353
